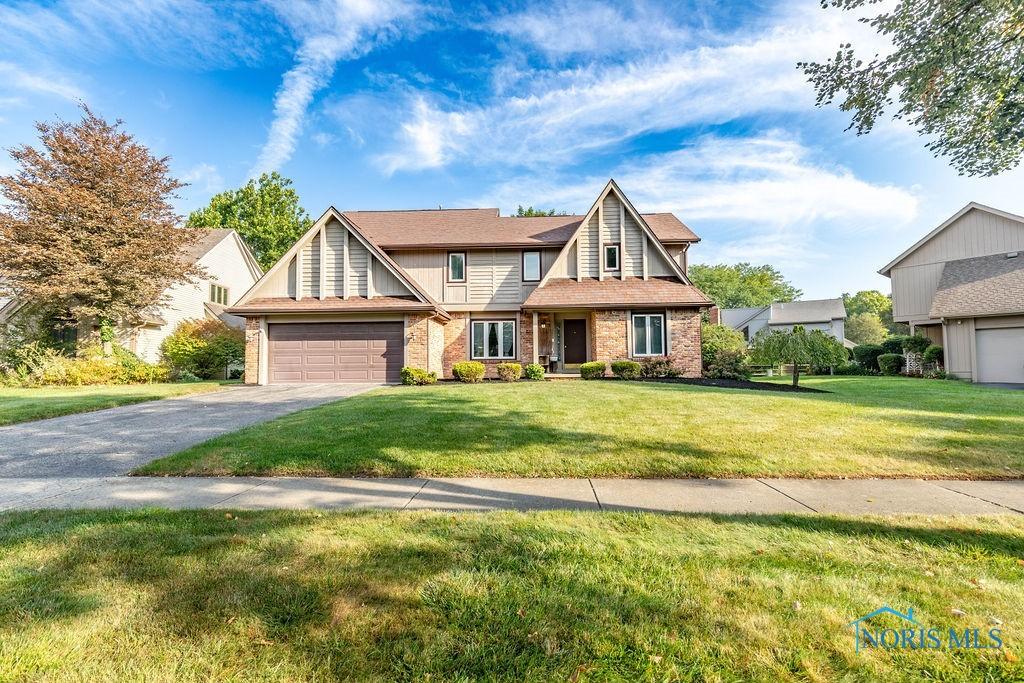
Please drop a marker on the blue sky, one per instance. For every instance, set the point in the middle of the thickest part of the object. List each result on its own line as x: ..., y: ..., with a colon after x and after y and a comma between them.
x: 693, y: 107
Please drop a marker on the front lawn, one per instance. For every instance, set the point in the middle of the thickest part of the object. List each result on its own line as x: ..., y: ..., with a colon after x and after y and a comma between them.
x: 866, y: 427
x: 204, y: 595
x: 21, y: 405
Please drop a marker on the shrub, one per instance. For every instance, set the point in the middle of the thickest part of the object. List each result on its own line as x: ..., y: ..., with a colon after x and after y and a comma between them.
x: 867, y: 355
x: 715, y: 339
x: 916, y: 344
x: 204, y: 347
x: 469, y: 371
x: 627, y: 369
x: 933, y: 354
x: 890, y: 363
x: 894, y: 344
x: 36, y: 365
x: 534, y: 371
x: 656, y: 367
x: 938, y: 374
x: 509, y: 372
x: 417, y: 376
x: 593, y: 370
x: 852, y: 369
x: 186, y: 376
x: 728, y: 364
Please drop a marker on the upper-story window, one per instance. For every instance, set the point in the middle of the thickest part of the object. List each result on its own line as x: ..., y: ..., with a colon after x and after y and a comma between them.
x: 456, y: 266
x: 531, y: 266
x: 218, y: 294
x: 611, y: 257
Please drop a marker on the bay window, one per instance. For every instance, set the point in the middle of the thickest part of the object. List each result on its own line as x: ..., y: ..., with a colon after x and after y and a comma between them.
x: 494, y: 339
x: 649, y: 334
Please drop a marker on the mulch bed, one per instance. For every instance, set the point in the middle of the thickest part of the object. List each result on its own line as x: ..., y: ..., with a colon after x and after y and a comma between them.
x: 739, y: 384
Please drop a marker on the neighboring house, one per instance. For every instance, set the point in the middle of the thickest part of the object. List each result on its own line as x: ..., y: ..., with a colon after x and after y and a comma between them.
x: 230, y: 270
x: 962, y: 286
x: 827, y: 315
x: 364, y: 293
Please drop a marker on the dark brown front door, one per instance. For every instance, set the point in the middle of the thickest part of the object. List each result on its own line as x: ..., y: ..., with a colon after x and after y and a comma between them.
x: 575, y: 334
x: 335, y: 352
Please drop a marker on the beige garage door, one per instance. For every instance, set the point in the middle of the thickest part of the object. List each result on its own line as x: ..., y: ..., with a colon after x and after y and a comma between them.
x: 335, y: 352
x: 1001, y: 355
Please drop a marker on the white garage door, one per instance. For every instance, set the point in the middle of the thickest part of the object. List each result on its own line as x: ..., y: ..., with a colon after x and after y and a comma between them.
x: 1001, y: 355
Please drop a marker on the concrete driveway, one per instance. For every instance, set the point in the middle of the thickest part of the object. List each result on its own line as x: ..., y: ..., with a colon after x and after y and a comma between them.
x: 113, y: 441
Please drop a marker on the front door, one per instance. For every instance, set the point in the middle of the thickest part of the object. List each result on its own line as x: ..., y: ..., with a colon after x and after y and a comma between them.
x: 575, y: 335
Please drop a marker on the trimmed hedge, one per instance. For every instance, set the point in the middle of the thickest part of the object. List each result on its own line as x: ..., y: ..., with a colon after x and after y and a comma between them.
x: 469, y: 371
x: 627, y: 369
x: 894, y: 344
x: 916, y: 344
x: 534, y: 371
x: 509, y: 372
x: 593, y: 370
x: 891, y: 363
x: 417, y: 376
x: 867, y: 355
x: 934, y: 354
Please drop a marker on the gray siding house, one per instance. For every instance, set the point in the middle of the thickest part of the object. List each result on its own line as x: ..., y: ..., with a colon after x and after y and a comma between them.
x: 827, y: 315
x: 962, y: 285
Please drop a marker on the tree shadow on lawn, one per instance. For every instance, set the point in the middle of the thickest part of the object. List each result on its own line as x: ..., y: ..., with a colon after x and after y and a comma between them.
x: 474, y: 596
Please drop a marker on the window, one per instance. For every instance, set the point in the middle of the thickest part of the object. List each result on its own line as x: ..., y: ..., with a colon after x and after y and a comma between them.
x: 457, y: 266
x: 531, y: 266
x: 611, y: 257
x: 649, y: 334
x: 218, y: 294
x: 494, y: 339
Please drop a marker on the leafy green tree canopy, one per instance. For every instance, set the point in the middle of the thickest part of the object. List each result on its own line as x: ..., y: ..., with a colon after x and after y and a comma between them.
x: 865, y: 328
x: 715, y: 339
x: 798, y: 347
x: 265, y: 212
x: 531, y: 212
x: 954, y: 72
x: 742, y: 285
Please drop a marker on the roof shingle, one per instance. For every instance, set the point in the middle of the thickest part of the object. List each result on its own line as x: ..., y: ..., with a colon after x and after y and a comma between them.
x: 985, y: 285
x: 615, y: 293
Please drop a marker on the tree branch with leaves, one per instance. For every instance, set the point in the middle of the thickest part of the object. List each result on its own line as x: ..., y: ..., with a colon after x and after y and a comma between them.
x: 798, y: 347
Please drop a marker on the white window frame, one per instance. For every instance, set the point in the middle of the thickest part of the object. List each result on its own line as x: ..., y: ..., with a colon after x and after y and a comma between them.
x: 215, y: 290
x: 449, y: 268
x: 618, y: 258
x: 539, y: 267
x: 485, y: 326
x: 647, y: 335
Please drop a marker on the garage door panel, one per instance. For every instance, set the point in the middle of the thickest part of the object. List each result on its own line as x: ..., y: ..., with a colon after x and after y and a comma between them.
x: 1000, y: 354
x: 335, y: 352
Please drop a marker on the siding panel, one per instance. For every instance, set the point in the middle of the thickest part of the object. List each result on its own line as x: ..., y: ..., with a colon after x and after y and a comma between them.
x: 357, y: 261
x: 334, y: 278
x: 311, y: 267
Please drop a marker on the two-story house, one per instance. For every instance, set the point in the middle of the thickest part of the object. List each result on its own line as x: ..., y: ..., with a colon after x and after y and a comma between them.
x: 962, y: 285
x: 827, y: 315
x: 364, y: 293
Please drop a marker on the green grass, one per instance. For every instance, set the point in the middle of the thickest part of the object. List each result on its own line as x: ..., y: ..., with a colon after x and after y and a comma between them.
x: 156, y: 595
x: 866, y: 427
x: 22, y: 405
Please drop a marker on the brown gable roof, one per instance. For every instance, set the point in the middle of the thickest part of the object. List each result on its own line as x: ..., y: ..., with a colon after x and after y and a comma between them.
x: 985, y: 285
x: 615, y: 293
x: 448, y: 228
x: 333, y: 304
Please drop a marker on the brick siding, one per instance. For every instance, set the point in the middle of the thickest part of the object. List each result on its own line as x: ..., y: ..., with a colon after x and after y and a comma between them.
x: 252, y: 350
x: 684, y: 329
x: 417, y: 340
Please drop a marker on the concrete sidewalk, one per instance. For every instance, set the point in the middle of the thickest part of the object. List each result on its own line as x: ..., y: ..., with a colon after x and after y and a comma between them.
x: 725, y: 496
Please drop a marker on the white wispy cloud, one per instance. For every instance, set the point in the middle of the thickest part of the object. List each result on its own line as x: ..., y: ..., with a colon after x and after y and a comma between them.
x: 17, y: 78
x: 778, y: 199
x: 568, y: 112
x: 331, y: 31
x: 204, y: 177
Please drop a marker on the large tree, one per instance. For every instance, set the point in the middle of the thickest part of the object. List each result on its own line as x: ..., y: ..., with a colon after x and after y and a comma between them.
x: 265, y: 212
x: 865, y: 328
x: 742, y: 285
x: 955, y: 72
x: 531, y: 212
x: 873, y: 301
x: 87, y: 230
